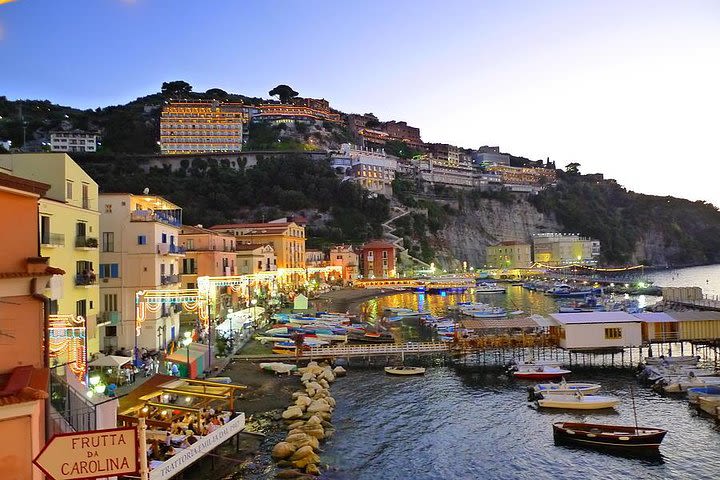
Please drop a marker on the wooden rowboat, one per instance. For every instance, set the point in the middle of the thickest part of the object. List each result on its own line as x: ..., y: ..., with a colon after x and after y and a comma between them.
x: 400, y: 370
x: 614, y: 437
x: 541, y: 373
x: 578, y: 401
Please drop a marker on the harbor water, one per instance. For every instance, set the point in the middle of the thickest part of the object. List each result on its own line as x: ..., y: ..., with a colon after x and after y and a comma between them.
x: 456, y: 423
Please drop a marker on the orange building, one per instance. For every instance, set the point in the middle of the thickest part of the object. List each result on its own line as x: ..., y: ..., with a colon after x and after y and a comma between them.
x: 287, y: 239
x: 24, y: 355
x: 207, y: 253
x: 377, y: 259
x: 345, y: 257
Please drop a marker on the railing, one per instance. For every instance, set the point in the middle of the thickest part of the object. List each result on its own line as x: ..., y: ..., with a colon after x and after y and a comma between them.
x: 112, y: 317
x: 156, y: 216
x: 82, y: 241
x: 85, y: 279
x: 666, y: 337
x: 168, y: 279
x: 170, y: 249
x: 78, y: 412
x: 376, y: 349
x: 54, y: 239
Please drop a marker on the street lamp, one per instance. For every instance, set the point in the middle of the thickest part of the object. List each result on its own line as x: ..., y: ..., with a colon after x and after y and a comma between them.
x: 253, y: 302
x: 186, y: 343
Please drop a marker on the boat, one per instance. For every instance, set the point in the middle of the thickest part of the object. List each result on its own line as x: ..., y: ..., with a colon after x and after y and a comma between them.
x: 401, y: 370
x: 564, y: 388
x: 682, y: 384
x: 706, y: 391
x: 371, y: 337
x: 541, y: 373
x: 488, y: 287
x: 578, y: 401
x: 566, y: 291
x: 532, y: 364
x: 620, y: 438
x: 709, y: 404
x: 663, y: 360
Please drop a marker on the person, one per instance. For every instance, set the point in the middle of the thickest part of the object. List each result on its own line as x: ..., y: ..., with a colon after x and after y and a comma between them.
x: 155, y: 451
x: 174, y: 371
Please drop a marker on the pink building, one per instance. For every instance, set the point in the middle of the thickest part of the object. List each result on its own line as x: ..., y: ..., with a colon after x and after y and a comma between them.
x: 207, y: 253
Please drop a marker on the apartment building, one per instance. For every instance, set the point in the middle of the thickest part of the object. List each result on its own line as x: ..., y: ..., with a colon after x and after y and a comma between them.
x: 377, y: 259
x: 510, y: 254
x: 300, y: 109
x: 203, y: 126
x: 207, y: 253
x: 345, y: 256
x: 140, y: 251
x: 539, y: 177
x: 286, y: 238
x: 73, y: 141
x: 370, y: 167
x: 557, y: 249
x: 255, y: 258
x: 24, y: 358
x: 69, y: 224
x: 314, y: 258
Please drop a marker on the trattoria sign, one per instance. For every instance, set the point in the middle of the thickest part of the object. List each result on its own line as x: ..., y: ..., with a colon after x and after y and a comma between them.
x: 87, y: 455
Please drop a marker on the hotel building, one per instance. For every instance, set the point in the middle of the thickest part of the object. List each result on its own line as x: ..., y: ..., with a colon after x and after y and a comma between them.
x: 203, y: 126
x: 73, y: 141
x: 557, y: 249
x: 511, y: 254
x: 377, y: 259
x: 287, y: 239
x: 371, y: 168
x: 140, y: 251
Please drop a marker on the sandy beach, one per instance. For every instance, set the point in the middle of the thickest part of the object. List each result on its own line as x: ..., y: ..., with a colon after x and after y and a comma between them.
x: 348, y: 299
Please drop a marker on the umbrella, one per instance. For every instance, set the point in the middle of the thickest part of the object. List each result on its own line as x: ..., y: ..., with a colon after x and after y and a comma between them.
x: 110, y: 361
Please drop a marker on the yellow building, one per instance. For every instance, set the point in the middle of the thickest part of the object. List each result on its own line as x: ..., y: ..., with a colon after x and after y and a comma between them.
x: 559, y: 249
x: 509, y: 255
x: 202, y: 127
x: 69, y: 231
x: 287, y: 239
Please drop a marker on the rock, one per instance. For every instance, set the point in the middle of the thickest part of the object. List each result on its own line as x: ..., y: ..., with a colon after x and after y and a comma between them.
x: 329, y: 432
x: 330, y: 400
x: 317, y: 406
x: 325, y: 415
x: 326, y: 424
x: 283, y: 450
x: 307, y: 377
x: 296, y: 437
x: 339, y: 371
x: 295, y: 431
x: 309, y: 441
x: 303, y: 462
x: 312, y: 469
x: 302, y: 452
x: 328, y: 375
x: 289, y: 474
x: 303, y: 401
x: 284, y: 464
x: 314, y: 420
x: 295, y: 425
x: 312, y: 364
x: 317, y: 432
x: 314, y: 385
x: 324, y: 383
x: 292, y: 412
x: 297, y: 394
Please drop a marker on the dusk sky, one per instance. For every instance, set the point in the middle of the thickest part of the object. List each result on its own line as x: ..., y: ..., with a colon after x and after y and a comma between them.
x: 627, y: 88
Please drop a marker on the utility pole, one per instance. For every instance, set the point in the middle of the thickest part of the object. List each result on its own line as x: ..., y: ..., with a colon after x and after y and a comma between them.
x: 24, y: 124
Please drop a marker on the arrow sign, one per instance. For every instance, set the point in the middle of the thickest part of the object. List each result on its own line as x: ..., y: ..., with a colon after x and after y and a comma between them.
x: 92, y: 454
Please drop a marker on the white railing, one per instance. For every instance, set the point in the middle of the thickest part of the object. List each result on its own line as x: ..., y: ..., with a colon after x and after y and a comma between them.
x: 376, y: 349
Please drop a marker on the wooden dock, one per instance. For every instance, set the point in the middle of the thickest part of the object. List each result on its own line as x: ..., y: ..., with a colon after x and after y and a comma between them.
x: 354, y: 351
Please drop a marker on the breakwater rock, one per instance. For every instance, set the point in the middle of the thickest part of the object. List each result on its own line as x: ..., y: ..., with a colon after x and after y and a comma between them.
x: 308, y: 422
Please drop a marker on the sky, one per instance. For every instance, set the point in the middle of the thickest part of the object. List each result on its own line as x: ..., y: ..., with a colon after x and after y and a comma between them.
x: 627, y: 88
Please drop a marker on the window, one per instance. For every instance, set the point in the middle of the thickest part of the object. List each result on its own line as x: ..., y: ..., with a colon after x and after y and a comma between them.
x: 45, y: 230
x: 53, y: 307
x: 110, y: 301
x: 108, y: 242
x: 81, y: 308
x: 142, y: 240
x: 164, y: 238
x: 111, y: 331
x: 384, y: 253
x: 109, y: 270
x: 85, y: 195
x: 613, y: 333
x: 69, y: 189
x: 260, y: 264
x: 108, y: 208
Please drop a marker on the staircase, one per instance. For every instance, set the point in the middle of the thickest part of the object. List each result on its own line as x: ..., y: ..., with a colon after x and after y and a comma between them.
x: 397, y: 241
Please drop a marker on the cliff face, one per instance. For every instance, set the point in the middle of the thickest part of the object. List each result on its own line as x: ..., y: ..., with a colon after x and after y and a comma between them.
x: 467, y: 235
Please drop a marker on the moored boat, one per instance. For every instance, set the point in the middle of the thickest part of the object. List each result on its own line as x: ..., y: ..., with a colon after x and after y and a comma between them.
x: 615, y: 437
x: 564, y: 388
x: 489, y: 287
x: 541, y: 373
x: 709, y: 404
x: 578, y: 401
x: 706, y: 391
x: 663, y: 360
x: 402, y: 370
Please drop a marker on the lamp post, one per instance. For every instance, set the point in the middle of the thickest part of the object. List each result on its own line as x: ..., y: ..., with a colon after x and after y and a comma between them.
x: 186, y: 343
x: 253, y: 302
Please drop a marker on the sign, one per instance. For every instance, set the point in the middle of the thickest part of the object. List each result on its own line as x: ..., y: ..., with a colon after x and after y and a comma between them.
x: 92, y: 454
x: 187, y: 456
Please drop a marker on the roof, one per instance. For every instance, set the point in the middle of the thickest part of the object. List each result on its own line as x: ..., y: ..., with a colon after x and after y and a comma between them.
x: 490, y: 323
x: 655, y: 317
x: 24, y: 384
x: 266, y: 226
x: 691, y: 315
x: 511, y: 242
x: 48, y: 271
x: 594, y: 317
x: 18, y: 183
x: 246, y: 247
x: 544, y: 321
x: 377, y: 244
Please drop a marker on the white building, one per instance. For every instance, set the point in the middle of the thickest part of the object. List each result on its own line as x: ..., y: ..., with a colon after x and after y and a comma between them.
x: 139, y: 252
x: 371, y: 168
x: 598, y: 330
x: 491, y: 158
x: 436, y: 171
x: 559, y: 249
x: 73, y: 141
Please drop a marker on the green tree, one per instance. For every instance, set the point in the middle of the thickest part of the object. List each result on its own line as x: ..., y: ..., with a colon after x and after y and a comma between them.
x: 177, y: 88
x: 217, y: 93
x: 573, y: 168
x: 283, y: 92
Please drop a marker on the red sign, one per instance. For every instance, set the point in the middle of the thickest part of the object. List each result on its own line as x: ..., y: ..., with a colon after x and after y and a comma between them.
x: 92, y: 454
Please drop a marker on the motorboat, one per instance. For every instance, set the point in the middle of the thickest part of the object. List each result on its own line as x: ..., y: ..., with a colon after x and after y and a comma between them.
x: 709, y: 404
x: 541, y: 373
x: 532, y: 364
x: 682, y: 384
x: 578, y: 401
x: 620, y: 438
x: 402, y: 370
x: 405, y: 312
x: 663, y: 360
x: 489, y: 287
x: 564, y: 388
x: 706, y: 391
x: 566, y: 291
x: 490, y: 312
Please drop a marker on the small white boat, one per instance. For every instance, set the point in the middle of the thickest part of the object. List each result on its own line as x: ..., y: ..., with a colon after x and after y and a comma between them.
x: 709, y: 404
x: 528, y: 365
x: 681, y: 384
x: 578, y: 401
x: 401, y: 370
x: 489, y: 287
x: 541, y: 373
x: 663, y: 360
x: 565, y: 388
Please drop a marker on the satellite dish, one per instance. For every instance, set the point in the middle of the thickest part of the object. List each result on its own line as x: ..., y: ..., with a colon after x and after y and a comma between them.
x: 146, y: 190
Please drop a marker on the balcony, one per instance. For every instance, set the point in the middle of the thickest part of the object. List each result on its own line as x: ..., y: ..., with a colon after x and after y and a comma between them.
x: 85, y: 280
x: 169, y: 279
x: 86, y: 243
x: 53, y: 240
x: 112, y: 318
x: 170, y: 249
x: 168, y: 217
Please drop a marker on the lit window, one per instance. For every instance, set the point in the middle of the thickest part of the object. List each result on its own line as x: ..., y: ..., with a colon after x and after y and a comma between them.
x: 613, y: 333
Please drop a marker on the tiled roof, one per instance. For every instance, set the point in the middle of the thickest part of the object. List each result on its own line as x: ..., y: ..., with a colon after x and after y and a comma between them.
x: 267, y: 226
x: 24, y: 384
x: 244, y: 247
x: 48, y: 271
x: 378, y: 244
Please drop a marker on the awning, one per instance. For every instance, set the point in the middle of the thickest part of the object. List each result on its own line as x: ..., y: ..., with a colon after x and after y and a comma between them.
x: 110, y: 361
